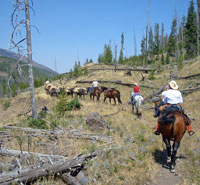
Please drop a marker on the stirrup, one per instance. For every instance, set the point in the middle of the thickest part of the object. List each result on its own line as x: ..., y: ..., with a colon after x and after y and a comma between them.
x: 156, y: 132
x: 191, y: 133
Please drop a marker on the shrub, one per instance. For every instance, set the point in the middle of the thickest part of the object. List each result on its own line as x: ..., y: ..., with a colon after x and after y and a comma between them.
x: 73, y: 105
x: 61, y: 106
x: 37, y: 123
x: 151, y: 75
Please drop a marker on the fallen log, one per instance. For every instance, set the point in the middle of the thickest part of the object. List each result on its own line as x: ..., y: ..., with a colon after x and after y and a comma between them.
x: 17, y: 153
x: 153, y: 97
x: 121, y: 69
x: 117, y: 82
x: 69, y: 179
x: 186, y: 91
x: 29, y: 174
x: 149, y: 98
x: 189, y: 76
x: 39, y: 132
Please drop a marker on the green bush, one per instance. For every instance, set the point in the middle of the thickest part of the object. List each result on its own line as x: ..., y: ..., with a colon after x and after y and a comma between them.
x: 37, y: 123
x: 63, y: 105
x: 151, y: 75
x: 73, y: 105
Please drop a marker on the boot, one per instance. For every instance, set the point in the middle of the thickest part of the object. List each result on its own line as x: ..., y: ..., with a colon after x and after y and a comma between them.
x: 189, y: 129
x: 156, y: 132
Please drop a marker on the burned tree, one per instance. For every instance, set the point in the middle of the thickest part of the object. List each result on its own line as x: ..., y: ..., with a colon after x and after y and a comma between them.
x: 21, y: 6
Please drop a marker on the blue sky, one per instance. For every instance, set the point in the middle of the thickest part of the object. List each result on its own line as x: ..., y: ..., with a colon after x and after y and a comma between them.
x: 79, y: 29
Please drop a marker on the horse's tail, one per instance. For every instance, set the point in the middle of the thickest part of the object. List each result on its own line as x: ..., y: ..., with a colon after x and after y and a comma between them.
x: 138, y: 104
x: 167, y: 120
x: 118, y: 97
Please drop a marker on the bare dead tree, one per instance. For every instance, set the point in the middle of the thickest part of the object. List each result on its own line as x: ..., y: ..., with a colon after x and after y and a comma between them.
x: 21, y: 6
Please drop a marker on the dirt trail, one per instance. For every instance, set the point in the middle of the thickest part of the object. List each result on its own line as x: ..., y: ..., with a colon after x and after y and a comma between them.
x: 164, y: 176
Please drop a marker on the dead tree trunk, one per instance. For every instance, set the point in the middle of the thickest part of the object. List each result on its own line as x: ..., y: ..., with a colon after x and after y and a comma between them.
x: 30, y: 68
x: 29, y: 174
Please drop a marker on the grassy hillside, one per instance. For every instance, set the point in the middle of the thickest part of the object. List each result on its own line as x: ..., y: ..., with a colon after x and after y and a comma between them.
x: 133, y: 156
x: 8, y: 64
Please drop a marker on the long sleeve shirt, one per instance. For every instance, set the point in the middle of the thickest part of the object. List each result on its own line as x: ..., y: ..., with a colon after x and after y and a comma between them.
x: 172, y: 96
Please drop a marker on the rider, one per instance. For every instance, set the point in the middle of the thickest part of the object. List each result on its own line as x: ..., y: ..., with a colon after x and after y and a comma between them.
x: 95, y: 83
x: 156, y: 113
x: 173, y: 97
x: 136, y: 91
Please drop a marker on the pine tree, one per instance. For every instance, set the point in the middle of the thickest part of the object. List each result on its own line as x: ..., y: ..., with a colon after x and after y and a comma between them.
x: 143, y: 50
x: 100, y: 58
x: 191, y: 32
x: 167, y: 58
x: 107, y: 54
x: 150, y: 42
x: 121, y: 55
x: 156, y: 39
x: 162, y: 59
x: 162, y: 37
x: 172, y: 38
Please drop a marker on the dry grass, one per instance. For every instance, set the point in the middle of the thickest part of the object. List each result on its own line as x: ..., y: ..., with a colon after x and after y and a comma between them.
x: 130, y: 135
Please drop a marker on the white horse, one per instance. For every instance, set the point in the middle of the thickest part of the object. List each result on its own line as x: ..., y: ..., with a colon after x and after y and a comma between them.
x: 137, y: 103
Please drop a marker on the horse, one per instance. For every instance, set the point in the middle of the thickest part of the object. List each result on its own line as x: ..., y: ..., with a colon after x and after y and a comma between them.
x: 95, y: 92
x: 82, y: 92
x: 172, y: 127
x: 137, y: 103
x: 111, y: 93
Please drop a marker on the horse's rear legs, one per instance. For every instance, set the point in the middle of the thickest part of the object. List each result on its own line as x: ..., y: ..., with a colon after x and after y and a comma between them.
x: 168, y: 146
x: 173, y: 157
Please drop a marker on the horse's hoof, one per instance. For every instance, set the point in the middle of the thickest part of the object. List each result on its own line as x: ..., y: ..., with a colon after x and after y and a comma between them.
x: 172, y: 170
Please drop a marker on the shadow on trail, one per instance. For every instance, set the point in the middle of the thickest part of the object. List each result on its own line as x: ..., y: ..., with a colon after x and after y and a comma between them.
x: 160, y: 157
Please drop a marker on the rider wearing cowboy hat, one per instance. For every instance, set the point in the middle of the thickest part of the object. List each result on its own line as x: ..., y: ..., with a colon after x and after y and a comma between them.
x: 172, y: 97
x: 136, y: 91
x: 95, y: 83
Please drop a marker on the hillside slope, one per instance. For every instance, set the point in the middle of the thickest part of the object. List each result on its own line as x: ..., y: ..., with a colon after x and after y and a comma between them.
x: 134, y: 154
x: 9, y: 54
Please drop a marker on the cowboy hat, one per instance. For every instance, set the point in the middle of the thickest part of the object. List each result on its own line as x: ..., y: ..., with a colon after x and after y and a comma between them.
x: 136, y: 84
x: 173, y: 85
x: 47, y: 82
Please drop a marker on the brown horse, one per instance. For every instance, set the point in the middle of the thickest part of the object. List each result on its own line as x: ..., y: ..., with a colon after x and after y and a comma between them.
x: 172, y: 127
x: 95, y: 92
x: 111, y: 93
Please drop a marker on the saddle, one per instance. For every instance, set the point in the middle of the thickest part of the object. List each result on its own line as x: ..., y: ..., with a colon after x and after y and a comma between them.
x: 168, y: 109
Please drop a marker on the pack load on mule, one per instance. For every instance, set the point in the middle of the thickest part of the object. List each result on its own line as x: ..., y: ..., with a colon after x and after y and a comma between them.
x: 172, y: 121
x: 111, y: 93
x: 51, y: 89
x: 81, y: 92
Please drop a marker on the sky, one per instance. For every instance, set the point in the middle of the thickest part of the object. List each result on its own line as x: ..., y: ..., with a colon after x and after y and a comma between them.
x: 72, y: 30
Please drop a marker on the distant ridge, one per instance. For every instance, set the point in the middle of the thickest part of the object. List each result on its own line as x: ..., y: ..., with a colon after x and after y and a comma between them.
x: 13, y: 55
